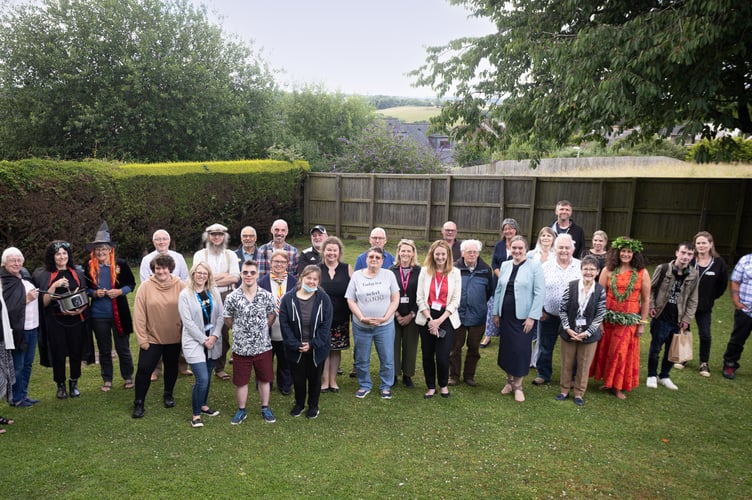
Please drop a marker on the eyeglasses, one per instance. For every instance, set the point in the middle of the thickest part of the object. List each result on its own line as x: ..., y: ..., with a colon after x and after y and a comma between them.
x: 279, y: 262
x: 102, y: 249
x: 161, y: 238
x: 250, y: 273
x: 378, y: 238
x: 247, y: 235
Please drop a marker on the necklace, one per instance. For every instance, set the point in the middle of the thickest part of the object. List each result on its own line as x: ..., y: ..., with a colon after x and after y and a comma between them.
x: 621, y: 297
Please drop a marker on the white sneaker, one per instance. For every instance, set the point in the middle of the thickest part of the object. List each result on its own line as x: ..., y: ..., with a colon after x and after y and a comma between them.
x: 666, y: 382
x: 652, y: 382
x: 679, y: 366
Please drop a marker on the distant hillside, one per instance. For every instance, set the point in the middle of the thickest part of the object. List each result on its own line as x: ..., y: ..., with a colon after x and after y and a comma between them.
x: 410, y: 114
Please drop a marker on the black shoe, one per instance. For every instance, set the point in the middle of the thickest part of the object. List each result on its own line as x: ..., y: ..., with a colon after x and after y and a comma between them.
x: 407, y: 381
x: 312, y: 413
x: 285, y: 392
x: 138, y: 409
x: 73, y: 385
x: 61, y: 392
x: 169, y: 402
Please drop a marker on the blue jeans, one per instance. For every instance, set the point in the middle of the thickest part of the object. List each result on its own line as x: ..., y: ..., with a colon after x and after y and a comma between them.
x: 23, y: 361
x: 548, y: 332
x: 201, y: 382
x: 383, y: 337
x: 662, y: 333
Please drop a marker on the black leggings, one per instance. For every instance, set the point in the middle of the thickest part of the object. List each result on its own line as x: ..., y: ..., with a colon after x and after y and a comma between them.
x: 147, y: 361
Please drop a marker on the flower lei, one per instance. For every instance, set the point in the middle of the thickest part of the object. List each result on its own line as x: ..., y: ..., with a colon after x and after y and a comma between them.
x: 624, y: 242
x: 621, y: 318
x: 621, y: 297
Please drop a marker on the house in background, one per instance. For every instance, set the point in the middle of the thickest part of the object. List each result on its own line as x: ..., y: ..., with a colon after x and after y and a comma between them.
x: 418, y: 132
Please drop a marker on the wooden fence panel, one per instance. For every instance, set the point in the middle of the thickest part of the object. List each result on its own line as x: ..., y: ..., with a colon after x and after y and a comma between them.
x: 659, y: 211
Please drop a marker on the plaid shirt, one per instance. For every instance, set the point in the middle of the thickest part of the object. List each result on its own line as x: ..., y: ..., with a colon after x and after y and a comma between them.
x: 265, y: 258
x: 742, y: 274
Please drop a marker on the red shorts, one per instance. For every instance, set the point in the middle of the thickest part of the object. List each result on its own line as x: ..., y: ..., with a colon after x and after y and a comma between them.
x: 242, y: 365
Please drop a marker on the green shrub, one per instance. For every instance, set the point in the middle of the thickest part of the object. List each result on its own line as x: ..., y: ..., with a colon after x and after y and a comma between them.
x: 46, y: 200
x: 721, y: 149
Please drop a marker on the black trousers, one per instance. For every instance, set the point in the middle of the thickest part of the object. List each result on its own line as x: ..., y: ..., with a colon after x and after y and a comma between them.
x: 147, y: 361
x: 436, y: 352
x: 306, y: 375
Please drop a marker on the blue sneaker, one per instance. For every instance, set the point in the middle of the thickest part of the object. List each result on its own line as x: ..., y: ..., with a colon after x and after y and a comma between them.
x: 24, y: 403
x: 239, y: 417
x: 361, y: 393
x: 267, y: 415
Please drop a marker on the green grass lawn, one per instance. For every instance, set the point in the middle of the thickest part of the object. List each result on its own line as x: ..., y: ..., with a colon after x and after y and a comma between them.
x: 690, y: 443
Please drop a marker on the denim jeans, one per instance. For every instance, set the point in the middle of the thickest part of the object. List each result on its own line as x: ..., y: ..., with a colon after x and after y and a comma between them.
x: 548, y: 332
x: 662, y: 333
x: 23, y: 361
x: 104, y: 330
x: 201, y: 383
x: 383, y: 337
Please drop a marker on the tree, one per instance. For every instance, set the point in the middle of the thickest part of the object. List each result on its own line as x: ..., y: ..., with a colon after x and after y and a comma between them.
x: 556, y: 68
x: 315, y: 121
x: 149, y: 80
x: 379, y: 149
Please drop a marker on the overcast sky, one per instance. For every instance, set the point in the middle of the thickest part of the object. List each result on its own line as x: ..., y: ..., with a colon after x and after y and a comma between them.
x: 353, y: 46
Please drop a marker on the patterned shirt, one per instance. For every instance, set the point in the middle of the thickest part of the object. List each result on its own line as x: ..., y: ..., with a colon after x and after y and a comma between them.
x: 265, y: 258
x: 250, y: 326
x: 557, y: 281
x: 742, y: 274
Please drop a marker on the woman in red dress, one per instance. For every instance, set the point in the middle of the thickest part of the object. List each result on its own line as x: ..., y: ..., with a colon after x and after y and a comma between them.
x: 627, y: 284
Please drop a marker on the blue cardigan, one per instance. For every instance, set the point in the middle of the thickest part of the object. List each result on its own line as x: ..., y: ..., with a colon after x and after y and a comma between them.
x: 529, y: 289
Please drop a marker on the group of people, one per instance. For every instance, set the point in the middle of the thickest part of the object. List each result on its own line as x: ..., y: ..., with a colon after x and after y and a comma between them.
x: 272, y: 301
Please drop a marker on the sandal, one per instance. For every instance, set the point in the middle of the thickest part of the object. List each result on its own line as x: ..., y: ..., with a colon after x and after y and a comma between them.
x: 519, y: 396
x: 128, y: 384
x: 106, y: 387
x: 6, y: 421
x: 222, y: 376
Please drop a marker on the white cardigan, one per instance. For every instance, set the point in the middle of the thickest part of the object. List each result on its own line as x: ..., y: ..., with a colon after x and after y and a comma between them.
x: 454, y: 293
x: 193, y: 326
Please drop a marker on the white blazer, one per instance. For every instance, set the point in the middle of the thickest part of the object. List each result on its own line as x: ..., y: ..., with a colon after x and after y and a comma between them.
x: 454, y: 293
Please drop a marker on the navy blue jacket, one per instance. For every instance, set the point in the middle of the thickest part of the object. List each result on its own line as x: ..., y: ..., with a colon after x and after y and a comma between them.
x: 292, y: 328
x: 477, y: 287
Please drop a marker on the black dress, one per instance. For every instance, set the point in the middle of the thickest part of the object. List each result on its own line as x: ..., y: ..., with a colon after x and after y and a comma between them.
x: 336, y: 288
x: 515, y: 347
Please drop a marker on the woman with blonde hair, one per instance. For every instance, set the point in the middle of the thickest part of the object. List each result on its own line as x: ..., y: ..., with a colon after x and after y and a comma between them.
x: 438, y: 299
x: 406, y: 336
x: 201, y: 311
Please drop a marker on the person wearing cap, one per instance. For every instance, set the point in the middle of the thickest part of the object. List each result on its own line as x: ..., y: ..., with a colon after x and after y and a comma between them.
x: 21, y: 298
x: 108, y: 281
x: 312, y: 254
x: 224, y: 266
x: 279, y: 234
x: 161, y: 241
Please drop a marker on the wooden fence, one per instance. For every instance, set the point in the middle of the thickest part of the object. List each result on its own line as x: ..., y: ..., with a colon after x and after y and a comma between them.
x: 659, y: 211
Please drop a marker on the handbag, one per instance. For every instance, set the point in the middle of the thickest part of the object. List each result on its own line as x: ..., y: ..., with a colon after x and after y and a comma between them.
x: 681, y: 347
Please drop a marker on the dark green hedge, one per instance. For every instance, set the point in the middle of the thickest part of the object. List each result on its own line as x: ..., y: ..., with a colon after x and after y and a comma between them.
x: 44, y: 200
